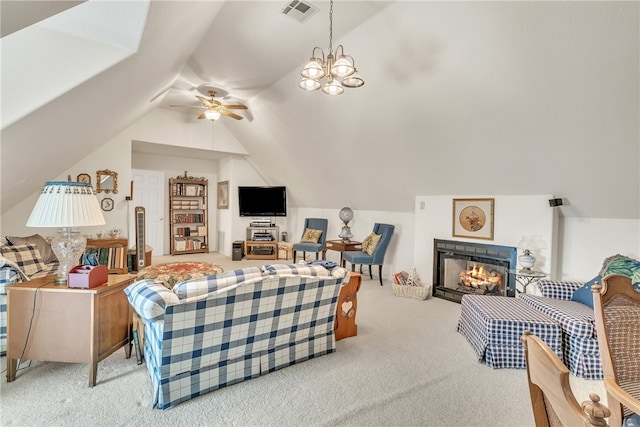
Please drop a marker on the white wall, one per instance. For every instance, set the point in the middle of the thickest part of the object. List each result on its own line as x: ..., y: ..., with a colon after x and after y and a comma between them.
x: 586, y: 242
x: 114, y: 155
x: 514, y: 217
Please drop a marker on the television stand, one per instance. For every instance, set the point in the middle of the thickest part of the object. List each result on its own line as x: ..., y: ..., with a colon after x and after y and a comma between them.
x: 261, y: 249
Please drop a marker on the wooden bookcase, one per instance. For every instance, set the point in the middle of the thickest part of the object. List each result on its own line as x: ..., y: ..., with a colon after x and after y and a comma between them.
x: 111, y: 253
x: 188, y: 202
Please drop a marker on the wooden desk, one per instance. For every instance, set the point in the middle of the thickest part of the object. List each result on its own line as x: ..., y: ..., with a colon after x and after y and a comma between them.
x: 66, y: 324
x: 340, y: 246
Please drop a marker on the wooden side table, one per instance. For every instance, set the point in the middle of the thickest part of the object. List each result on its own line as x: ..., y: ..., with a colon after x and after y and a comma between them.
x: 340, y: 246
x: 345, y: 324
x: 54, y: 323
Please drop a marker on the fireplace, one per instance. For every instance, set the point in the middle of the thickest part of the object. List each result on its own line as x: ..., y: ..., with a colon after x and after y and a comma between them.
x: 461, y: 268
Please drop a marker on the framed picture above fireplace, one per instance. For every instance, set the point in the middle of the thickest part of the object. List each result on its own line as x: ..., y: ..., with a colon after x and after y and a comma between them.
x: 473, y: 218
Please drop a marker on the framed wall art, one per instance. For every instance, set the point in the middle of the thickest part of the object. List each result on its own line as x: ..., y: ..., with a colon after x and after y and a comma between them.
x: 223, y: 195
x: 473, y: 218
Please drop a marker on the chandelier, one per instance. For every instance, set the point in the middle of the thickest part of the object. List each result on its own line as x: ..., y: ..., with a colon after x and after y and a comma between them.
x: 338, y: 69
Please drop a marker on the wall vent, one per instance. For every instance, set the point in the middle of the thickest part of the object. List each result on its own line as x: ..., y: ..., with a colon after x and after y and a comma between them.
x: 299, y: 10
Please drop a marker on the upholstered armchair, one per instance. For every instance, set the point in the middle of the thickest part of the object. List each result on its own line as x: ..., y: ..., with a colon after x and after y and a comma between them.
x: 373, y: 250
x: 311, y: 240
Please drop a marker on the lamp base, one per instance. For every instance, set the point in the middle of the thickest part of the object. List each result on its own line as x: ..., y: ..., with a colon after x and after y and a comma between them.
x: 345, y: 234
x: 68, y: 247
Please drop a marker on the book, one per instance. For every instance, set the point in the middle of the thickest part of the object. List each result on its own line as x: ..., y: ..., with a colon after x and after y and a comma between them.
x: 136, y: 346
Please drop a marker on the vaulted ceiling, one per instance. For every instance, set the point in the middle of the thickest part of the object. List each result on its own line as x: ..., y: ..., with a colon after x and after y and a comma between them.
x: 469, y: 98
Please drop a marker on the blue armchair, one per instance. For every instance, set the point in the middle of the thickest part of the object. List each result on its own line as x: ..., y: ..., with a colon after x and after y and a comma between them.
x: 385, y: 231
x: 307, y: 246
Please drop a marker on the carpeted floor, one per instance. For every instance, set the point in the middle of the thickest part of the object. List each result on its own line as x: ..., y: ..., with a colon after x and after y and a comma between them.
x: 407, y: 366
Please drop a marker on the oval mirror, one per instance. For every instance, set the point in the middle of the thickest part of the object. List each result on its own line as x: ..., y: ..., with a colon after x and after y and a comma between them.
x: 107, y: 181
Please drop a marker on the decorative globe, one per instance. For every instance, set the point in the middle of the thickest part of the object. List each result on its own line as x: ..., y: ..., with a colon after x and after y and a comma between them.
x: 346, y: 215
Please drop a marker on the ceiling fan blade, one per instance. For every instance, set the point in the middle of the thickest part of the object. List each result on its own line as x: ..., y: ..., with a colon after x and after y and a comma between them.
x: 235, y: 107
x: 201, y: 116
x: 230, y: 114
x: 204, y: 100
x: 188, y: 106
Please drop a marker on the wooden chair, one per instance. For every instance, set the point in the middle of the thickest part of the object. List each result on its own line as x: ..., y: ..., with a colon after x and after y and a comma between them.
x: 617, y: 315
x: 552, y: 399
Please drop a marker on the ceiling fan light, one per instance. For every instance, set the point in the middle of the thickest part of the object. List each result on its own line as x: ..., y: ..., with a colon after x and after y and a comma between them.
x: 333, y: 87
x: 313, y: 69
x: 212, y: 114
x: 353, y: 81
x: 309, y: 84
x: 342, y: 67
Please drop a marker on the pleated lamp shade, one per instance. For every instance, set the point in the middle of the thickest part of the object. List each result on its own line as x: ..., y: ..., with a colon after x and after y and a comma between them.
x: 66, y: 204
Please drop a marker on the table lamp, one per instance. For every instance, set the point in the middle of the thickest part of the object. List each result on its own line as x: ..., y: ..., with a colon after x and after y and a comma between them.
x: 346, y: 215
x: 67, y: 205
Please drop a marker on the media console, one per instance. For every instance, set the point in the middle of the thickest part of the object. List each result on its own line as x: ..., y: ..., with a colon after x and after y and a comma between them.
x: 261, y: 249
x: 262, y: 242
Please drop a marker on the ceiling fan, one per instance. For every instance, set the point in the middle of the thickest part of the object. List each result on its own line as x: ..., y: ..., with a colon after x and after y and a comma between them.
x: 214, y: 109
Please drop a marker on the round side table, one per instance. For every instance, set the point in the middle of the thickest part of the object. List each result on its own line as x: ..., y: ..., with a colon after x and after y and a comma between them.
x: 526, y: 278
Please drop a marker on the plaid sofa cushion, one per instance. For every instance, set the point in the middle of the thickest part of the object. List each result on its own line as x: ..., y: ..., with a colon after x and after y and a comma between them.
x: 26, y: 256
x: 149, y: 298
x: 576, y: 319
x: 304, y: 270
x: 204, y: 285
x: 558, y: 289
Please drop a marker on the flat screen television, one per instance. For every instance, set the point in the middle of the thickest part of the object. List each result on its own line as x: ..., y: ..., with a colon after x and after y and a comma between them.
x: 262, y: 201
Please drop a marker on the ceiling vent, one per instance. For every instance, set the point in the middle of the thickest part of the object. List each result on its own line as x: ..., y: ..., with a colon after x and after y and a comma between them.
x: 299, y: 10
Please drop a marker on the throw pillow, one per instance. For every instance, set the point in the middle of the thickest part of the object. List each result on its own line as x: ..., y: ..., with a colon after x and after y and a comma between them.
x: 27, y: 257
x: 38, y: 241
x: 584, y: 294
x: 311, y: 236
x: 370, y: 243
x: 619, y: 264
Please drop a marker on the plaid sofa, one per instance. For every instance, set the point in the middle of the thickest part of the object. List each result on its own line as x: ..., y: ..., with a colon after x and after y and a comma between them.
x: 18, y: 263
x: 579, y: 341
x: 211, y: 332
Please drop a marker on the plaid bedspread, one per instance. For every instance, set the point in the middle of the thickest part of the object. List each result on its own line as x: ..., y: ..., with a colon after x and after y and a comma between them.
x: 258, y: 323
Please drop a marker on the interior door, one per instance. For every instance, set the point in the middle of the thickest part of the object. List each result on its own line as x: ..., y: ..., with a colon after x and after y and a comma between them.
x: 148, y: 192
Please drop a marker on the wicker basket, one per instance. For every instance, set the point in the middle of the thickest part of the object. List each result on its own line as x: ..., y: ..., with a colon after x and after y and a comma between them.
x: 413, y: 288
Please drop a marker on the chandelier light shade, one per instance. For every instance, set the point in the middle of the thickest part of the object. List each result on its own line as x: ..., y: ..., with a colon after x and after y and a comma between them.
x: 338, y: 69
x: 67, y: 205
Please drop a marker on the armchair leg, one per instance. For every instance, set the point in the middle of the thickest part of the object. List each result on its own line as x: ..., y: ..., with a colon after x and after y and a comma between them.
x: 370, y: 275
x: 380, y: 273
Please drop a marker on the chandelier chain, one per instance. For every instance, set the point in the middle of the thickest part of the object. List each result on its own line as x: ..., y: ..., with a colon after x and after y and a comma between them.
x: 331, y: 27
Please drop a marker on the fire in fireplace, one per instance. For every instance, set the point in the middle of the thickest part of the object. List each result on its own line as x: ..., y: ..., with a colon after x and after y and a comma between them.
x: 472, y: 268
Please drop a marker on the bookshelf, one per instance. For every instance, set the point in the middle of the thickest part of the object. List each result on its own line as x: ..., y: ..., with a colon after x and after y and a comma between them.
x: 188, y: 210
x: 111, y: 253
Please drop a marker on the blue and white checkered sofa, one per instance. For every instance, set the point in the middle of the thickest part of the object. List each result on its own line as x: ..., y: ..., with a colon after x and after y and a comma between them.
x: 579, y: 341
x: 211, y: 332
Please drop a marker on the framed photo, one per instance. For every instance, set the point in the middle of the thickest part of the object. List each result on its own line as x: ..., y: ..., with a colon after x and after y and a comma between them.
x: 473, y: 218
x: 84, y: 177
x: 223, y: 195
x: 107, y: 204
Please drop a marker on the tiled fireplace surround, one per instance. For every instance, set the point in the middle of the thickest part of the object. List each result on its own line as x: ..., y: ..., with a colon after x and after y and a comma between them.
x: 461, y: 268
